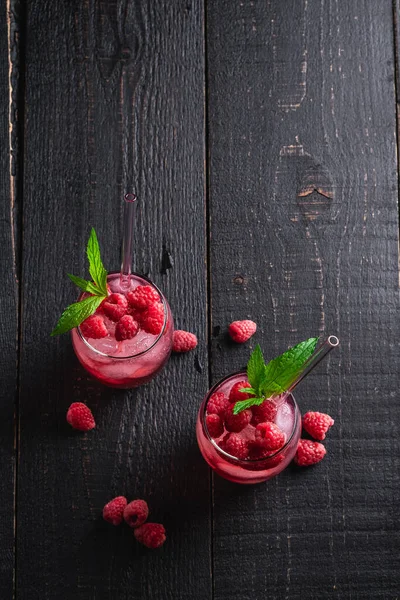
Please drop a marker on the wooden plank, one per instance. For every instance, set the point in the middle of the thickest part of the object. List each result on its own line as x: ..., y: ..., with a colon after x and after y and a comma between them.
x: 115, y: 102
x: 304, y: 223
x: 9, y: 134
x: 396, y: 37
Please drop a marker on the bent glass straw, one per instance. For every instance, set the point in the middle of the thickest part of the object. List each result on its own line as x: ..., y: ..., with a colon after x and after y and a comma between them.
x: 323, y: 349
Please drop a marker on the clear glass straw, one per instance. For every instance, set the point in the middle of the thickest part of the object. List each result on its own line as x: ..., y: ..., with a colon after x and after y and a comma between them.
x: 127, y: 240
x: 323, y: 349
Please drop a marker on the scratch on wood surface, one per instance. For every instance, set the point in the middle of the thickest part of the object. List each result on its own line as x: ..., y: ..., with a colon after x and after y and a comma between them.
x: 319, y: 274
x: 13, y: 57
x: 197, y: 364
x: 291, y: 87
x: 166, y: 260
x: 12, y: 110
x: 289, y: 560
x: 365, y: 211
x: 292, y: 150
x: 398, y: 254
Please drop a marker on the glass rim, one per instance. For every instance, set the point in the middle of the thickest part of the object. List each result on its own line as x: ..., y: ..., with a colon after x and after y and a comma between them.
x: 142, y: 352
x: 223, y: 452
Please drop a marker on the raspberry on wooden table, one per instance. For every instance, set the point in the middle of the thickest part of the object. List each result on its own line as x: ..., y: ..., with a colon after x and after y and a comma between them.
x: 215, y: 425
x: 269, y: 436
x: 80, y: 417
x: 136, y: 513
x: 236, y: 446
x: 183, y: 341
x: 94, y: 327
x: 241, y: 331
x: 153, y: 319
x: 143, y: 296
x: 151, y: 535
x: 113, y: 511
x: 317, y: 424
x: 235, y: 395
x: 236, y: 422
x: 115, y: 306
x: 217, y: 404
x: 126, y: 328
x: 309, y: 453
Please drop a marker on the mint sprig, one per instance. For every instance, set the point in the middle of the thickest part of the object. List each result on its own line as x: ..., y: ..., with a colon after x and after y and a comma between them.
x: 256, y: 368
x: 277, y: 376
x: 76, y: 313
x: 96, y: 268
x: 281, y: 372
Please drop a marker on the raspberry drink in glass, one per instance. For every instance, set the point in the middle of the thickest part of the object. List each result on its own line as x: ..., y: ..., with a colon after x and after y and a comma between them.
x: 250, y: 436
x: 233, y: 451
x: 121, y: 326
x: 130, y: 362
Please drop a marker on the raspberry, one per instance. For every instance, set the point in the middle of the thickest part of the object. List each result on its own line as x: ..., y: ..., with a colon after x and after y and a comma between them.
x: 79, y: 416
x: 143, y: 296
x: 222, y: 442
x: 136, y: 513
x: 269, y: 436
x: 151, y: 535
x: 241, y: 331
x: 265, y: 412
x: 235, y: 395
x: 271, y: 459
x: 136, y: 314
x: 236, y: 422
x: 115, y: 306
x: 184, y: 341
x: 317, y: 424
x: 114, y: 510
x: 153, y: 319
x: 217, y: 404
x: 214, y: 425
x: 93, y: 327
x: 126, y: 328
x: 309, y: 453
x: 236, y: 446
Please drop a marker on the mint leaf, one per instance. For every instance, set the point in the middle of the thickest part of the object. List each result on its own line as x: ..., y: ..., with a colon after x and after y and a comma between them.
x: 275, y: 377
x: 96, y: 267
x: 256, y: 368
x: 281, y: 372
x: 86, y: 286
x: 76, y: 313
x: 243, y: 404
x: 248, y: 391
x: 81, y: 283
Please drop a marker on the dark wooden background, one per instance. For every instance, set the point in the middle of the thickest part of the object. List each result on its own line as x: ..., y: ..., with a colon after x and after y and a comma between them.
x: 260, y: 137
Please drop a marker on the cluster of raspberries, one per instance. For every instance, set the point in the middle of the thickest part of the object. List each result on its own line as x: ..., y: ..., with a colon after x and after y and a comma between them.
x: 151, y: 535
x: 267, y: 438
x: 316, y: 424
x: 139, y: 309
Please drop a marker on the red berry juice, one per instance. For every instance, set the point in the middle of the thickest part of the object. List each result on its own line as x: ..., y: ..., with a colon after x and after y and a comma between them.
x: 259, y: 464
x: 128, y: 363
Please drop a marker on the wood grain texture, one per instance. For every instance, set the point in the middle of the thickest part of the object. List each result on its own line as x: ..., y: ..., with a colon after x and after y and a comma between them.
x: 114, y: 102
x: 304, y: 229
x: 396, y: 38
x: 9, y: 131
